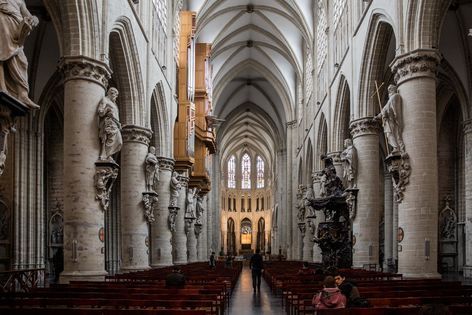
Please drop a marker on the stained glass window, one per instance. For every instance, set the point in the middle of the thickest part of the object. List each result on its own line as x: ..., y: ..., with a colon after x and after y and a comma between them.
x: 321, y: 36
x: 232, y: 172
x: 260, y: 172
x: 246, y: 172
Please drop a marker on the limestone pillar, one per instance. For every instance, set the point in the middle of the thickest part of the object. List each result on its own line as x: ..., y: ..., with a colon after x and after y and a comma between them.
x: 179, y: 238
x: 308, y: 241
x: 468, y: 198
x: 84, y: 86
x: 365, y: 133
x: 317, y: 255
x: 161, y: 247
x: 134, y: 224
x: 336, y: 156
x: 395, y: 232
x: 192, y: 233
x: 388, y: 220
x: 415, y: 74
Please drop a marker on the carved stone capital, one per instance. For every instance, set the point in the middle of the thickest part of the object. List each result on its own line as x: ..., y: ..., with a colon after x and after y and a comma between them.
x: 418, y: 63
x: 292, y: 124
x: 132, y: 133
x: 467, y: 125
x: 399, y: 167
x: 166, y: 164
x: 336, y: 156
x: 364, y: 126
x: 84, y: 68
x: 105, y: 175
x: 150, y: 203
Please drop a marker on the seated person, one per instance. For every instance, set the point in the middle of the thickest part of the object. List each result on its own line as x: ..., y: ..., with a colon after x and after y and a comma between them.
x: 305, y: 270
x: 175, y: 279
x: 329, y: 297
x: 350, y: 291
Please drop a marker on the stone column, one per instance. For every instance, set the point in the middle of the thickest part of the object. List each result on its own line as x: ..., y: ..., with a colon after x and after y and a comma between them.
x: 85, y: 80
x: 179, y: 238
x: 415, y: 74
x: 161, y: 247
x: 468, y: 198
x: 365, y: 133
x: 134, y: 224
x: 308, y: 241
x: 395, y: 232
x: 191, y: 236
x: 336, y: 156
x: 388, y: 220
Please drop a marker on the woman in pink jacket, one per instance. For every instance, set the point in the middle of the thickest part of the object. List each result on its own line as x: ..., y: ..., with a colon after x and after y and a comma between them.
x: 330, y: 296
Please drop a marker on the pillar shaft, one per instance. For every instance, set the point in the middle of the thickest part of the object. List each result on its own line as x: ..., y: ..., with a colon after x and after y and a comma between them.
x: 161, y: 250
x: 365, y: 227
x: 134, y: 226
x: 84, y: 87
x: 415, y: 74
x: 179, y: 239
x: 468, y: 198
x: 388, y: 220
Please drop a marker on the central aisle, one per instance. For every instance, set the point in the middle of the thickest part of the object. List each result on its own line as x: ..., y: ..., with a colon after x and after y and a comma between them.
x: 245, y: 302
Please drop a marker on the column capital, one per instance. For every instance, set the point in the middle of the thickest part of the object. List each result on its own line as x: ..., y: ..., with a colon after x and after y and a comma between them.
x: 364, y: 126
x: 85, y: 68
x: 417, y: 63
x: 133, y: 133
x: 467, y: 125
x: 166, y: 163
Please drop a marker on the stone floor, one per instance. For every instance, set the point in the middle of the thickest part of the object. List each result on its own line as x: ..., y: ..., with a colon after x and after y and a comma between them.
x: 245, y: 302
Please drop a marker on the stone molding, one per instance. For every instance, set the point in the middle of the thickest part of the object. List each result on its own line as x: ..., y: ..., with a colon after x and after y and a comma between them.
x: 166, y: 164
x: 133, y: 133
x: 418, y: 63
x: 364, y: 126
x: 467, y: 125
x: 84, y: 68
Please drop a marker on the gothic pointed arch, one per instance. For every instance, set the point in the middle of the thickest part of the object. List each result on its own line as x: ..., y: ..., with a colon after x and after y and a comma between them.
x: 124, y: 60
x: 159, y: 122
x: 342, y: 115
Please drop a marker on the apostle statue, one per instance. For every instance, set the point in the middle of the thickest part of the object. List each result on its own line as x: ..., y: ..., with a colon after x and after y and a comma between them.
x: 175, y: 187
x: 307, y: 199
x: 190, y: 211
x: 109, y: 125
x: 349, y: 160
x: 199, y: 209
x: 391, y: 115
x: 16, y: 23
x: 300, y: 205
x: 151, y: 169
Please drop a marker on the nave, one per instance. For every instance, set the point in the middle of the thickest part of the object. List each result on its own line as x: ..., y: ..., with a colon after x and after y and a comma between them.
x: 227, y: 289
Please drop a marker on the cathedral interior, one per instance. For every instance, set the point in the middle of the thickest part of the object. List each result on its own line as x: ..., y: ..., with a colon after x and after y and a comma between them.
x: 138, y: 134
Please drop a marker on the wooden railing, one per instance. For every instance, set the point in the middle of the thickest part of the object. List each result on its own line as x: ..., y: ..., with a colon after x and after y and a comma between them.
x: 22, y: 280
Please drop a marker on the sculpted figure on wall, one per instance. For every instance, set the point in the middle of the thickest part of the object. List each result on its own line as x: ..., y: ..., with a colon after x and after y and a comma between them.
x: 151, y: 169
x: 349, y: 160
x: 309, y: 197
x: 300, y: 205
x: 109, y: 128
x: 190, y: 211
x: 199, y: 208
x: 16, y: 23
x: 175, y: 187
x: 391, y: 116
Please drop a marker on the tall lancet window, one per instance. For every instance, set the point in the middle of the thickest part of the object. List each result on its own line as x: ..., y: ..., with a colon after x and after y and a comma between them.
x: 260, y: 172
x: 232, y: 172
x: 246, y: 172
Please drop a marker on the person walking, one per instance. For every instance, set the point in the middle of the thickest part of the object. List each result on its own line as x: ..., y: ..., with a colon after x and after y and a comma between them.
x: 256, y: 264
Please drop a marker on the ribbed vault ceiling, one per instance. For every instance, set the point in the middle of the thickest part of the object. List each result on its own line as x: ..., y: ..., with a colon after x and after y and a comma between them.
x: 257, y: 60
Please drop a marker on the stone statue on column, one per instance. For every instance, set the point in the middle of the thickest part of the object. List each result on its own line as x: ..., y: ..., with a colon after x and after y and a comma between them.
x: 16, y: 23
x: 151, y: 169
x: 300, y: 204
x: 109, y: 129
x: 190, y: 211
x: 391, y: 115
x: 349, y: 160
x: 199, y: 209
x: 175, y: 187
x: 309, y: 197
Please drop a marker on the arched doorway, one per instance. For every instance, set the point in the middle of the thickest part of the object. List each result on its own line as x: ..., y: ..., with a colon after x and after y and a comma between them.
x: 231, y: 238
x: 246, y: 235
x: 261, y: 235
